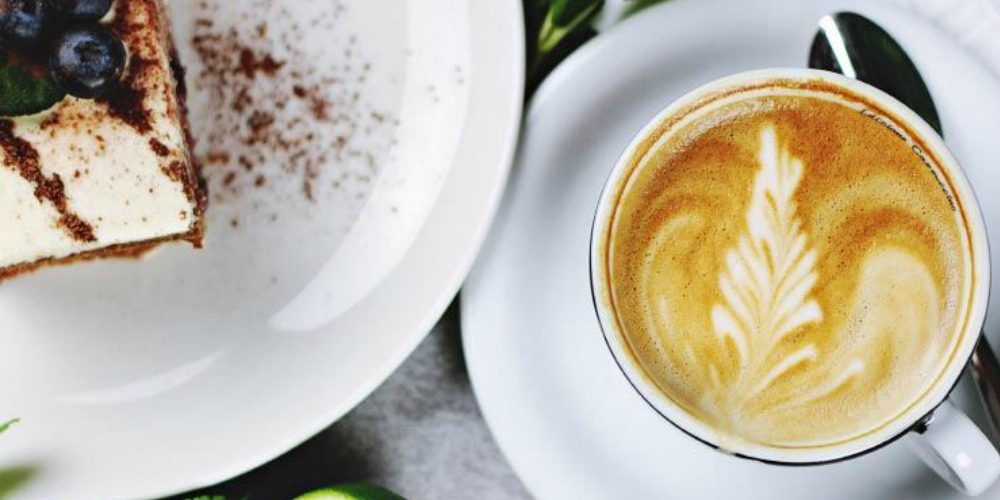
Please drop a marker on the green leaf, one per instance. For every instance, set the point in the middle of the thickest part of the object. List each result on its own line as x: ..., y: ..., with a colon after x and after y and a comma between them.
x: 563, y: 18
x: 565, y: 12
x: 7, y: 425
x: 351, y: 492
x: 638, y: 5
x: 22, y: 93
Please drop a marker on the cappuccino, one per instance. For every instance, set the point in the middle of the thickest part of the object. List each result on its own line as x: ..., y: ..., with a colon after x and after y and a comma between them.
x: 788, y: 264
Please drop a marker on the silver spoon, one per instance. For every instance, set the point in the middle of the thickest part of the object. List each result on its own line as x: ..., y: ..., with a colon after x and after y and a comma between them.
x: 855, y: 46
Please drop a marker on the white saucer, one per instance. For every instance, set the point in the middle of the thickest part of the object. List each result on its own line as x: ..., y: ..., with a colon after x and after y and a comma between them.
x: 136, y: 379
x: 560, y: 409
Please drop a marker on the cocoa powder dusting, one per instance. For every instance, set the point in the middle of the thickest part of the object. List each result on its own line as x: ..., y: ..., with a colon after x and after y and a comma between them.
x: 22, y: 156
x: 273, y: 108
x: 250, y: 64
x: 128, y: 101
x: 76, y: 226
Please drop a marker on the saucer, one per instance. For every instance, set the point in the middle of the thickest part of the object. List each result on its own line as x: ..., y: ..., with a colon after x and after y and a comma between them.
x: 560, y: 409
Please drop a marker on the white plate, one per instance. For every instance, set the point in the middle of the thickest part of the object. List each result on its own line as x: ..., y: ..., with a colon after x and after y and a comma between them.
x: 559, y: 407
x: 141, y: 379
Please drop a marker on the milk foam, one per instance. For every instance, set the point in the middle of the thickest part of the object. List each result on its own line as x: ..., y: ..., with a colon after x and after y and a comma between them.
x: 788, y: 271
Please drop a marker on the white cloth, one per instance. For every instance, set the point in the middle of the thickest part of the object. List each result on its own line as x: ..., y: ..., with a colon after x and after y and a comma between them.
x: 974, y: 23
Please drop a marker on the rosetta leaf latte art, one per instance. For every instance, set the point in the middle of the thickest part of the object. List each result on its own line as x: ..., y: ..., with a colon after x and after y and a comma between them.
x: 768, y: 278
x: 788, y: 272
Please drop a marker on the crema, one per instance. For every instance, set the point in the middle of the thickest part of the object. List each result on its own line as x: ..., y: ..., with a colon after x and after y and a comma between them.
x: 788, y: 265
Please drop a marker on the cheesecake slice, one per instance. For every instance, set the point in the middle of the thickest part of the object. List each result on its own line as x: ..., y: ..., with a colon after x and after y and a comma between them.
x: 111, y: 176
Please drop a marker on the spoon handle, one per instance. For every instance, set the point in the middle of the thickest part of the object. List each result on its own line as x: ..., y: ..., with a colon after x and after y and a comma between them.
x: 986, y: 372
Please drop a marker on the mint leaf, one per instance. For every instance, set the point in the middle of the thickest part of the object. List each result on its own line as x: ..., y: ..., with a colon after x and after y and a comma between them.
x: 22, y: 93
x: 6, y: 425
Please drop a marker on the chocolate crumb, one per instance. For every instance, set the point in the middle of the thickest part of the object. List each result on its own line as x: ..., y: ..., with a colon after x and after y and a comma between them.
x: 251, y: 63
x: 216, y: 158
x: 259, y: 121
x: 307, y: 190
x: 51, y: 120
x: 246, y: 163
x: 158, y: 147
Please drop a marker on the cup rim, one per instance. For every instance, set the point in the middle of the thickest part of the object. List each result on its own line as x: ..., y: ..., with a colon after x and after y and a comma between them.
x: 922, y: 408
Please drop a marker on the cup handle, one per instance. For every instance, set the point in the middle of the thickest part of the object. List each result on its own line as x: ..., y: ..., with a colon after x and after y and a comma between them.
x: 950, y: 444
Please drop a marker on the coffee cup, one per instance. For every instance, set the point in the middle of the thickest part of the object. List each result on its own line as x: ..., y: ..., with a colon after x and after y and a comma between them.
x: 790, y: 267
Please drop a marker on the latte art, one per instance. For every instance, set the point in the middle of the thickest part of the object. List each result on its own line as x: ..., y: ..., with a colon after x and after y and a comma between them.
x: 767, y: 283
x: 787, y: 270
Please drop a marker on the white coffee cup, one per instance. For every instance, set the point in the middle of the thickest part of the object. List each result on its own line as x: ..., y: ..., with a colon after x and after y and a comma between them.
x: 938, y: 432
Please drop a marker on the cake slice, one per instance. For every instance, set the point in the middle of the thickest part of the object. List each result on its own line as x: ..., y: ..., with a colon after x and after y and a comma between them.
x: 107, y: 176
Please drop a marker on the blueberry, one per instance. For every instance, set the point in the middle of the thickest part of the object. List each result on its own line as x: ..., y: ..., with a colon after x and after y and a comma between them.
x: 23, y: 22
x: 81, y: 10
x: 87, y: 61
